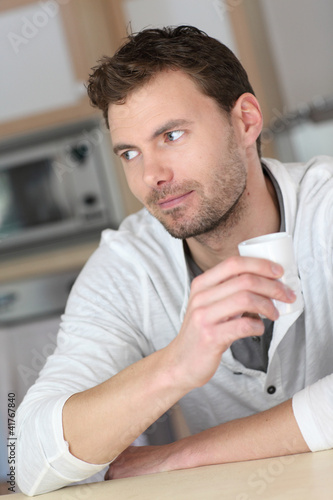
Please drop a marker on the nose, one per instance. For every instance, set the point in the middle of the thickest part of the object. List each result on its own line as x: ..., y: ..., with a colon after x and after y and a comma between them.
x: 156, y: 171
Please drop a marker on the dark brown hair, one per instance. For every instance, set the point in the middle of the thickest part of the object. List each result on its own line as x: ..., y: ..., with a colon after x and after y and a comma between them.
x: 212, y: 66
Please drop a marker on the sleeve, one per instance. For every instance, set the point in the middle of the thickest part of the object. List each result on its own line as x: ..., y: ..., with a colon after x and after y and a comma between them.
x: 100, y: 335
x: 313, y: 410
x: 45, y: 462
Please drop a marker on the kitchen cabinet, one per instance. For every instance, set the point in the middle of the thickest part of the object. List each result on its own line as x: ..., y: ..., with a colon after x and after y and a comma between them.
x: 48, y: 50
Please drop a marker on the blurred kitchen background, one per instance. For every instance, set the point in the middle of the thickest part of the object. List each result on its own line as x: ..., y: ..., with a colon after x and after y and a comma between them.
x: 59, y: 183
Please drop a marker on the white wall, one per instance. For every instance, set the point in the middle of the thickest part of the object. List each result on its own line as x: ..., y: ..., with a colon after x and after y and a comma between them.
x: 301, y: 42
x: 31, y: 38
x: 209, y: 15
x: 301, y: 38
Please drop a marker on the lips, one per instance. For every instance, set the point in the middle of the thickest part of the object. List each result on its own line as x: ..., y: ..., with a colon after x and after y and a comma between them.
x: 172, y: 201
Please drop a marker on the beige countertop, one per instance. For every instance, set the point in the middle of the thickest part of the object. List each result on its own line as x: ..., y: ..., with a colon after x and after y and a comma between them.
x: 296, y: 477
x: 51, y: 261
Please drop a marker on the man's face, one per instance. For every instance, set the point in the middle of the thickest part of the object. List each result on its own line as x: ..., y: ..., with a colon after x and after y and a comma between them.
x: 180, y: 155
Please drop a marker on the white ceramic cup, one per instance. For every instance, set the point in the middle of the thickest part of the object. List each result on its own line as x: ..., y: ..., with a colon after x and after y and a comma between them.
x: 277, y: 247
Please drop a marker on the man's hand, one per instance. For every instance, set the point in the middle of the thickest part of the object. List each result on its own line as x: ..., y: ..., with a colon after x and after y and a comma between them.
x: 138, y: 461
x: 224, y: 305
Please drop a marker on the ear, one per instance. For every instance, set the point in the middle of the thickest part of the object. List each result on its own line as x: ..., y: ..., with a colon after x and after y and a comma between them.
x: 247, y: 117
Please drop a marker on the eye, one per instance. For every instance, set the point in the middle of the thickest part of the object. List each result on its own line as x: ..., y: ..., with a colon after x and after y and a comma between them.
x: 129, y: 155
x: 174, y: 135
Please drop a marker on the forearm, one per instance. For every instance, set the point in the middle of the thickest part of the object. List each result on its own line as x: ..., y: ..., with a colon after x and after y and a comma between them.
x: 101, y: 422
x: 267, y: 434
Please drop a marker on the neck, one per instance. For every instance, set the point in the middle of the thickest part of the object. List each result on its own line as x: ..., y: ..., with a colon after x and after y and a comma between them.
x: 257, y: 214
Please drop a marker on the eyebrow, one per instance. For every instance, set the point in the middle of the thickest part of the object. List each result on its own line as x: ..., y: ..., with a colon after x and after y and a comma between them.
x: 171, y: 124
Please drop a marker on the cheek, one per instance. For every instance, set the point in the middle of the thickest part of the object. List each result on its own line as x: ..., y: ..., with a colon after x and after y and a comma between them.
x: 135, y: 184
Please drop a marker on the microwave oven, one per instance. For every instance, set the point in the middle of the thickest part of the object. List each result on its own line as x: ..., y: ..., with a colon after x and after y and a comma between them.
x: 61, y: 186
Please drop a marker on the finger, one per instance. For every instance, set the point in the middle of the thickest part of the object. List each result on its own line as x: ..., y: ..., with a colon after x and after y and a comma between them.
x: 234, y: 266
x: 235, y: 306
x: 227, y: 333
x: 266, y: 287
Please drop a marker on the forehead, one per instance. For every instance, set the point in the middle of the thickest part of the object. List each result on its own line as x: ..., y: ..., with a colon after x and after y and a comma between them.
x: 168, y: 95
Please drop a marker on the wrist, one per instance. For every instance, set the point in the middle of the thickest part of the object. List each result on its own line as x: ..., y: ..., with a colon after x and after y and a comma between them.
x: 183, y: 454
x: 177, y: 369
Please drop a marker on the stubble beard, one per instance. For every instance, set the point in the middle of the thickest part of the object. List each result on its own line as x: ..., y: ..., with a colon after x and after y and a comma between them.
x: 217, y: 213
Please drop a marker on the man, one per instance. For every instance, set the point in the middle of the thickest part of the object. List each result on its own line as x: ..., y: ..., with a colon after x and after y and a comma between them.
x: 166, y: 310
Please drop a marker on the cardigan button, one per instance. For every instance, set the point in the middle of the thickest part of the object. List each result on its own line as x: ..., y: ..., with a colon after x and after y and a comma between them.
x: 271, y: 389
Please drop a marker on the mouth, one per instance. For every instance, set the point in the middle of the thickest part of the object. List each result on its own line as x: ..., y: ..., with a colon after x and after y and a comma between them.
x: 173, y: 201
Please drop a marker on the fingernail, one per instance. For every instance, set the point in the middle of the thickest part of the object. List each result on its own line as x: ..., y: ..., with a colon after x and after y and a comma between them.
x: 277, y: 313
x: 277, y: 270
x: 290, y: 293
